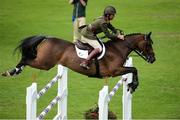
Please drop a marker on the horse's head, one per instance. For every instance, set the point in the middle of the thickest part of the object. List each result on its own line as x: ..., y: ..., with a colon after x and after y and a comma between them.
x: 144, y: 48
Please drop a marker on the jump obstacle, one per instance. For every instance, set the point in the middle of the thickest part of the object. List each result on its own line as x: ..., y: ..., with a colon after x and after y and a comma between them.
x: 105, y: 96
x: 33, y: 95
x: 61, y: 99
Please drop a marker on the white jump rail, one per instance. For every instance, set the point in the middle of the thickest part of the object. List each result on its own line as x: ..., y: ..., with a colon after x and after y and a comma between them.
x: 61, y: 99
x: 105, y: 96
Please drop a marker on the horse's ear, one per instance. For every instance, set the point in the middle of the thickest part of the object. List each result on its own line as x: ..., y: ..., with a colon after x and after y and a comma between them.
x: 149, y: 37
x: 149, y: 34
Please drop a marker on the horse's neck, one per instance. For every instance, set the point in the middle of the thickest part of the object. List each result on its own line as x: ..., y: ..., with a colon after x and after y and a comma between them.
x: 126, y: 50
x: 133, y: 40
x: 121, y: 48
x: 125, y: 47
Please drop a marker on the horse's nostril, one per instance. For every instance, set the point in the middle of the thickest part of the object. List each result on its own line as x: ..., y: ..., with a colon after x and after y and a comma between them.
x: 151, y: 59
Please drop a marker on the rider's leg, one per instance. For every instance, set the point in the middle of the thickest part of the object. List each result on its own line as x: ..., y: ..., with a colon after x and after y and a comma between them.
x: 97, y: 49
x: 89, y: 58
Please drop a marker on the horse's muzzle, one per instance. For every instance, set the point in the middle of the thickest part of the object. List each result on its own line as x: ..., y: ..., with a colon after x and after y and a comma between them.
x: 151, y: 59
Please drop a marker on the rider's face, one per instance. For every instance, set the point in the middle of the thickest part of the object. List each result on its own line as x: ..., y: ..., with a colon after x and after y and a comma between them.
x: 111, y: 17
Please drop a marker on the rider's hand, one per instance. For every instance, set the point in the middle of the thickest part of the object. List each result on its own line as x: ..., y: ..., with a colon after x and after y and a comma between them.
x: 71, y: 1
x: 83, y: 2
x: 121, y: 37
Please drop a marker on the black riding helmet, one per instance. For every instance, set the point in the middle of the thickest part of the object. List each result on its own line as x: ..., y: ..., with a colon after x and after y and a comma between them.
x: 109, y: 10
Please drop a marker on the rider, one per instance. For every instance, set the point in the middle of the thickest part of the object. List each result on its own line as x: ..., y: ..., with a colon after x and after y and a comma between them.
x: 101, y: 24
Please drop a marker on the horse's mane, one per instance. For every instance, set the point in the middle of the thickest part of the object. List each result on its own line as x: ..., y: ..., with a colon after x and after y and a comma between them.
x: 132, y: 34
x: 122, y: 41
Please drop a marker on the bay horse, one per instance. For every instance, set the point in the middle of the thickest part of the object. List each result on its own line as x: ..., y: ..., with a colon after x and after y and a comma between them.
x: 44, y: 52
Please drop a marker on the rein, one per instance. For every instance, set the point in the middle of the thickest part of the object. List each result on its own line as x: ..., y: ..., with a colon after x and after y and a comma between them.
x: 140, y: 54
x: 129, y: 46
x: 136, y: 51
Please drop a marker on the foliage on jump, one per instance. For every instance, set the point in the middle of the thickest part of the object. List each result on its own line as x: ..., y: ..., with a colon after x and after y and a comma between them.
x: 92, y: 113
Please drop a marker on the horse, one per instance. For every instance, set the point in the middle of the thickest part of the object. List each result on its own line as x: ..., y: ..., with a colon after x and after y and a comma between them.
x: 43, y: 52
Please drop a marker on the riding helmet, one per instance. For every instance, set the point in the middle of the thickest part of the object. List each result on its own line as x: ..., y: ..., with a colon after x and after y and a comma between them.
x: 109, y: 10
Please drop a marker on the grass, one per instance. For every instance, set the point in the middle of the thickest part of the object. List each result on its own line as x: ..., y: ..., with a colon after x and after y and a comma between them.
x: 158, y: 96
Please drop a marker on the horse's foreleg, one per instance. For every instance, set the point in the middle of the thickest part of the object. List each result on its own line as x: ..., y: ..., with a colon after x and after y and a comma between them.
x: 124, y: 70
x: 18, y: 69
x: 134, y: 84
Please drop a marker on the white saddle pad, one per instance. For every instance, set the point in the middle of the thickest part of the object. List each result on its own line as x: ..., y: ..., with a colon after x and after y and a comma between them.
x: 84, y: 53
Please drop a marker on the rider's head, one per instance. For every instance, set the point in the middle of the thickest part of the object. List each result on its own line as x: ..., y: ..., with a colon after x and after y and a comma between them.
x: 109, y: 12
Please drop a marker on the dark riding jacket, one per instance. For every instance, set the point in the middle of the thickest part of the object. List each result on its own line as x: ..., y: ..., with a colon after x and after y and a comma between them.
x: 99, y: 25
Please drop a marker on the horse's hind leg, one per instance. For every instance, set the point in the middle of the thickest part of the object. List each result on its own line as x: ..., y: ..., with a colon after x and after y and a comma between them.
x: 40, y: 64
x: 35, y: 63
x: 18, y: 69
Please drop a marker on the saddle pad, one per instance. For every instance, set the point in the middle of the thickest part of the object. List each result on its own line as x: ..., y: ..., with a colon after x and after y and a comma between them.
x: 84, y: 53
x: 81, y: 53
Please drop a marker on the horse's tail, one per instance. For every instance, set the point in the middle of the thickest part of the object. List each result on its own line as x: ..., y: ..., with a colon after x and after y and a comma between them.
x: 27, y: 46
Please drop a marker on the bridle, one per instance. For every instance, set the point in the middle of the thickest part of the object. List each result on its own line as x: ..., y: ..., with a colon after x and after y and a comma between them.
x: 140, y: 53
x: 129, y: 45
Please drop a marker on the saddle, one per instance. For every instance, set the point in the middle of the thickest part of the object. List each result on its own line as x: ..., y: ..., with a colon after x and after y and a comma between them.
x: 83, y: 46
x: 84, y: 49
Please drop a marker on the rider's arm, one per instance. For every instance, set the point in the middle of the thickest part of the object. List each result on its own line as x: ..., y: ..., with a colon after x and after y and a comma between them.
x: 104, y: 28
x: 72, y: 1
x: 83, y: 2
x: 115, y: 31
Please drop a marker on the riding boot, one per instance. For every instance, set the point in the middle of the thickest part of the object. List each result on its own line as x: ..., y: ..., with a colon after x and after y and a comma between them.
x: 85, y: 63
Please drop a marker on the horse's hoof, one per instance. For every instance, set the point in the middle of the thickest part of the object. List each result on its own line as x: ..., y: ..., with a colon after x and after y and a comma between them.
x: 132, y: 87
x: 131, y: 90
x: 5, y: 74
